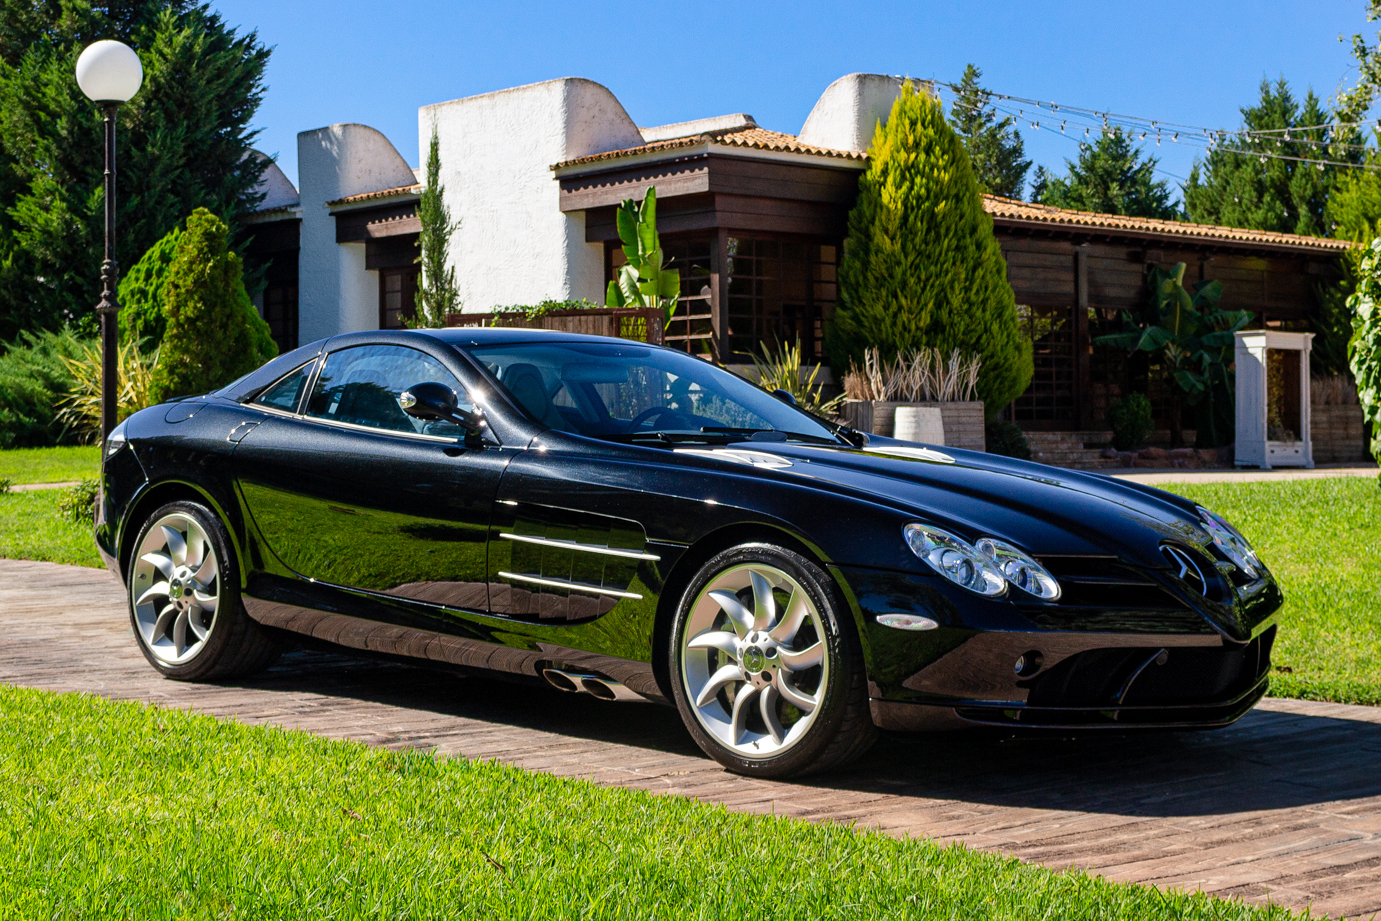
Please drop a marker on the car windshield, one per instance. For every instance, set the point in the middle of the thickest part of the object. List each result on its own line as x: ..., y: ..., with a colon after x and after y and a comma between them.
x: 629, y: 392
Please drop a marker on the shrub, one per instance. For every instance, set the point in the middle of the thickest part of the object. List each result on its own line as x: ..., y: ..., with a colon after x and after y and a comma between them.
x: 141, y: 293
x: 214, y: 334
x: 921, y: 267
x: 33, y: 379
x: 1007, y: 439
x: 1132, y: 422
x: 924, y: 376
x: 1364, y: 352
x: 550, y: 305
x: 5, y: 484
x: 78, y: 503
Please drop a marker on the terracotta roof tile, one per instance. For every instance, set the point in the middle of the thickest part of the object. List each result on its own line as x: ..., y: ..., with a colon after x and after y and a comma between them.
x: 381, y: 193
x: 1025, y: 211
x: 755, y: 138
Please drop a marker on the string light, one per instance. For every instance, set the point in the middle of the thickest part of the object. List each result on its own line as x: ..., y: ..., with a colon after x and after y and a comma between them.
x: 1329, y: 143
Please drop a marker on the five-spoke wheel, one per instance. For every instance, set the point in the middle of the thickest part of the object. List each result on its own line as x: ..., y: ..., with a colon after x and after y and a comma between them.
x: 767, y: 674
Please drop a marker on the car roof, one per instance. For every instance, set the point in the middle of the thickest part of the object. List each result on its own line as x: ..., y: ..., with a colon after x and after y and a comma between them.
x: 490, y: 335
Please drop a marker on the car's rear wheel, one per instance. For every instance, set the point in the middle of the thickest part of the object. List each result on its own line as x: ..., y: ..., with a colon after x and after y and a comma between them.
x: 184, y: 599
x: 767, y: 672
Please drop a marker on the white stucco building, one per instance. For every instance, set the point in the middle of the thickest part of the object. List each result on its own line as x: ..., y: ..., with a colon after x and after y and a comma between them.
x: 753, y: 218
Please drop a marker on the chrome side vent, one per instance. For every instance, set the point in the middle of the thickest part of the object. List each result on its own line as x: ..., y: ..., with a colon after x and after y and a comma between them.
x: 1187, y: 569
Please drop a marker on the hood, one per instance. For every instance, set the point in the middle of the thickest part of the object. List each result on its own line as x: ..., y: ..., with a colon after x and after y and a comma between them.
x: 1044, y: 510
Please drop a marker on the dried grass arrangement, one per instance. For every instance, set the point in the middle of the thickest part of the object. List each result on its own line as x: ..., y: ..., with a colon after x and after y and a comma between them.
x: 1334, y: 390
x: 923, y: 376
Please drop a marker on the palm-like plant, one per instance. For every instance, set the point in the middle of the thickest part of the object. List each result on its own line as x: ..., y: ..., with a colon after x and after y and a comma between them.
x: 1194, y: 338
x: 781, y: 370
x: 80, y: 410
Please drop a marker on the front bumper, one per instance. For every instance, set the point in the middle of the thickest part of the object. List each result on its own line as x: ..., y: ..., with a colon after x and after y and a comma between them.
x: 1134, y: 658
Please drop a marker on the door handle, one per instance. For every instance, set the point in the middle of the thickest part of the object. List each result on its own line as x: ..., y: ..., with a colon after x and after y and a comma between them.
x: 238, y: 433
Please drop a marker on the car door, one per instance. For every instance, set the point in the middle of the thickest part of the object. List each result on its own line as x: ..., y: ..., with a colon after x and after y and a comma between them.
x: 347, y: 489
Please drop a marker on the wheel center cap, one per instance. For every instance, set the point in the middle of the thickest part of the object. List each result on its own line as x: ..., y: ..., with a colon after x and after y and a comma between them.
x: 753, y: 659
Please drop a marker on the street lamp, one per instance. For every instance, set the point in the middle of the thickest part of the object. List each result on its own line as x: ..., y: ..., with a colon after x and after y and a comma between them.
x: 109, y: 73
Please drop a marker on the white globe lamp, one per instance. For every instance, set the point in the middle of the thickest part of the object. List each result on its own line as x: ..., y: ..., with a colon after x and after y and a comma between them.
x: 109, y: 73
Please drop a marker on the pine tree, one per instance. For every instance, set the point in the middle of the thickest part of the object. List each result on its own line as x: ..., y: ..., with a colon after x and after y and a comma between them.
x: 994, y: 146
x: 921, y: 265
x: 182, y: 141
x: 1248, y: 189
x: 214, y: 334
x: 1112, y: 176
x: 437, y: 295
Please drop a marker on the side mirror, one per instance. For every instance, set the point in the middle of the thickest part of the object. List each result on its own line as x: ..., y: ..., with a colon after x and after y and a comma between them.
x: 785, y: 396
x: 437, y: 401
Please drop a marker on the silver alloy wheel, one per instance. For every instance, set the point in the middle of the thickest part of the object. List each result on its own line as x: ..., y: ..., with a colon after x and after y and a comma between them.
x: 753, y: 660
x: 175, y: 589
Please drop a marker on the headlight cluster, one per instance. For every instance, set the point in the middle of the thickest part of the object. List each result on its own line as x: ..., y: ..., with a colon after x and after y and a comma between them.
x: 987, y: 566
x: 115, y: 441
x: 1231, y: 542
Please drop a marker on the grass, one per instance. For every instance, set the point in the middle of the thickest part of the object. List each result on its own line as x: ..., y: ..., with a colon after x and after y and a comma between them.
x: 123, y: 810
x: 50, y: 465
x: 1322, y: 540
x: 31, y: 528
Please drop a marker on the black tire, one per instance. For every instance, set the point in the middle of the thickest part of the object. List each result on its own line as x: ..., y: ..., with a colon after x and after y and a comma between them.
x: 842, y: 727
x: 234, y: 645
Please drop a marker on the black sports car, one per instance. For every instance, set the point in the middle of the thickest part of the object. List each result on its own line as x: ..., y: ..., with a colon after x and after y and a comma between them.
x: 633, y: 522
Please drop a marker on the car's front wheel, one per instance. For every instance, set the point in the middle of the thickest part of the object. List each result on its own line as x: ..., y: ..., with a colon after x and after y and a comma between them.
x: 184, y: 599
x: 767, y: 672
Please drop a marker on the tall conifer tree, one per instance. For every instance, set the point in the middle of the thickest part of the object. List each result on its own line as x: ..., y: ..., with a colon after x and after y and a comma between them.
x: 183, y: 142
x: 1247, y: 189
x: 921, y: 265
x: 993, y: 144
x: 1111, y: 176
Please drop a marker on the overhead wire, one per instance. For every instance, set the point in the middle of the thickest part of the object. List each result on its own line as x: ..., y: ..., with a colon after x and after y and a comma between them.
x: 1211, y: 139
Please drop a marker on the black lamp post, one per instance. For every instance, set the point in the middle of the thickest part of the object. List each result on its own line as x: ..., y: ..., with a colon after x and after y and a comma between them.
x: 109, y: 73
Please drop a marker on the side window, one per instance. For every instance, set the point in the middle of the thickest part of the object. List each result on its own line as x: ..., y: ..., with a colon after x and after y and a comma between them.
x: 361, y: 386
x: 286, y: 393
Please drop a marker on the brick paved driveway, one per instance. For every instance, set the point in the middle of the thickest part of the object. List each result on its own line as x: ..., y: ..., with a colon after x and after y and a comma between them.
x: 1285, y: 805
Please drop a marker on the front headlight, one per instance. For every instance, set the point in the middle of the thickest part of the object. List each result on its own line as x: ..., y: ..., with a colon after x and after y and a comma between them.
x: 1229, y: 540
x: 1019, y: 569
x: 955, y: 560
x: 115, y: 441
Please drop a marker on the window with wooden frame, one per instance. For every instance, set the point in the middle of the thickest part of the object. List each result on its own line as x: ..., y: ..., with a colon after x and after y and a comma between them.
x: 781, y: 291
x: 1051, y: 396
x: 397, y: 296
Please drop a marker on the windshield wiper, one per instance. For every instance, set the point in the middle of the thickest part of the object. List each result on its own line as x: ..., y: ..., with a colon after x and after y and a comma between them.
x: 770, y: 434
x: 661, y: 437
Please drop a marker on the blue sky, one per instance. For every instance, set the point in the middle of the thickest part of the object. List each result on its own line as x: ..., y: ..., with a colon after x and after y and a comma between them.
x: 1188, y: 62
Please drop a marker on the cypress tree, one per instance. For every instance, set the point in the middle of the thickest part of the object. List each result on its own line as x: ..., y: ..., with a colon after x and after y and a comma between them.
x: 437, y: 295
x: 921, y: 265
x: 141, y: 293
x: 214, y: 334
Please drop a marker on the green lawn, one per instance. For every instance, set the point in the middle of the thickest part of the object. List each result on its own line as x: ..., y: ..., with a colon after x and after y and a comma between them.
x: 126, y: 811
x: 50, y: 465
x: 1322, y: 539
x: 32, y: 529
